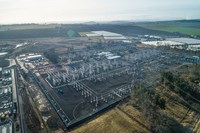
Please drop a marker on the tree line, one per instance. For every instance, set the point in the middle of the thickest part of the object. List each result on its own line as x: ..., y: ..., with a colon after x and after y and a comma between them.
x: 51, y: 55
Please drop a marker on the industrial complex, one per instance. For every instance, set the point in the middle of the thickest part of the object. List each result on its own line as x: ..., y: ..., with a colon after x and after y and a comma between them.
x: 189, y: 44
x: 56, y: 84
x: 89, y: 80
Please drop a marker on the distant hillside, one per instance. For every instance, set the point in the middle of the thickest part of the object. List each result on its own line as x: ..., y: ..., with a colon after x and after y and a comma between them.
x: 22, y: 31
x: 162, y: 28
x: 189, y: 27
x: 26, y: 26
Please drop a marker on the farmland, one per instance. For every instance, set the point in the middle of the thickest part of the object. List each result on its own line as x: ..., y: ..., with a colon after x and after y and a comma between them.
x: 184, y: 27
x: 27, y: 27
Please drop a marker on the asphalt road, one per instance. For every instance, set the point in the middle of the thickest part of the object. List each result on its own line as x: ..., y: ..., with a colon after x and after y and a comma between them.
x: 19, y: 100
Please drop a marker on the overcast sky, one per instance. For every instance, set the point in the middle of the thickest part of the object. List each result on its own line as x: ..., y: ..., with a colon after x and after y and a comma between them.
x: 67, y: 11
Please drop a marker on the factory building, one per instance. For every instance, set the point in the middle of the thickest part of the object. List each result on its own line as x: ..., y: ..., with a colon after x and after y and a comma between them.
x: 193, y: 59
x: 107, y: 36
x: 33, y: 57
x: 179, y: 43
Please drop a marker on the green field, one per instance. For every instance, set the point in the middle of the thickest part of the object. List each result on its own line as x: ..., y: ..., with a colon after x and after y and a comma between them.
x: 27, y: 26
x: 189, y: 28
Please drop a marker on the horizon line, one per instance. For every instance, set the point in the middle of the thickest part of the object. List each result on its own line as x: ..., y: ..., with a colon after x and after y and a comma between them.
x: 101, y: 22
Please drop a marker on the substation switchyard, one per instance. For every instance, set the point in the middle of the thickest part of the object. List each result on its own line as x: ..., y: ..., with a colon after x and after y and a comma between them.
x: 87, y: 81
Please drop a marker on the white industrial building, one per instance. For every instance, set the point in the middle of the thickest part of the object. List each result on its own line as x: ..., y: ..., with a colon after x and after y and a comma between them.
x: 108, y: 36
x: 185, y: 40
x: 162, y: 43
x: 180, y: 43
x: 33, y: 57
x: 193, y: 47
x: 108, y: 55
